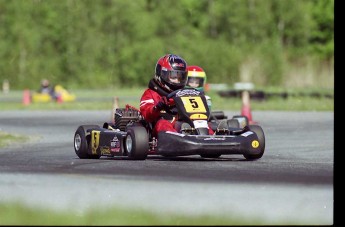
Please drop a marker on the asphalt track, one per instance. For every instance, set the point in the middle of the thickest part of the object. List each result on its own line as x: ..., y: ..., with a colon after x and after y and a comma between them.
x: 293, y: 183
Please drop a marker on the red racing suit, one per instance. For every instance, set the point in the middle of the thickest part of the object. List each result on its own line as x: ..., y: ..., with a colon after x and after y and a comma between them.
x: 147, y: 103
x: 148, y: 100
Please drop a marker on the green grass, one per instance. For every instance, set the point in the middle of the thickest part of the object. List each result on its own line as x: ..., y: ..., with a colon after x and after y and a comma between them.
x: 18, y: 214
x: 104, y: 100
x: 6, y: 138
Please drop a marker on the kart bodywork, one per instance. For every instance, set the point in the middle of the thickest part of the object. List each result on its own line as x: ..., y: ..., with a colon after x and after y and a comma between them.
x: 131, y: 135
x: 58, y: 93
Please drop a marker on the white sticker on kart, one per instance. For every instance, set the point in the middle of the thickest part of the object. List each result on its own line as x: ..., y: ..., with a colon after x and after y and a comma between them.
x: 200, y: 124
x: 247, y: 133
x: 215, y: 138
x: 175, y: 133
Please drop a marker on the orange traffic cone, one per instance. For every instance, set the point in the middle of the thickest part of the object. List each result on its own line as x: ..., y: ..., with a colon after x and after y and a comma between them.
x: 207, y: 87
x: 246, y: 111
x: 59, y: 99
x: 26, y: 97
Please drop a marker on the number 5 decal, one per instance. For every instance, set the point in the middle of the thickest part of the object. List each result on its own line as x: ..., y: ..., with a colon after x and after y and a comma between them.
x: 193, y: 105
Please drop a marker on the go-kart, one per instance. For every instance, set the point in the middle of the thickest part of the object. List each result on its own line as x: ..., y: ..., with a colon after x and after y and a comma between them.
x: 130, y: 135
x: 58, y: 94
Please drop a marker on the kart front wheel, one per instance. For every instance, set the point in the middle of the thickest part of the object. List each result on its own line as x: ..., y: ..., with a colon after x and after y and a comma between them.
x: 261, y: 137
x: 137, y: 143
x: 82, y: 141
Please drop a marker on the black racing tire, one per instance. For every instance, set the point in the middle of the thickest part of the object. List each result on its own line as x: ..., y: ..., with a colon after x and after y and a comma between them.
x: 261, y: 137
x: 218, y: 114
x: 210, y: 155
x: 243, y: 120
x: 82, y: 142
x: 233, y: 123
x: 137, y: 143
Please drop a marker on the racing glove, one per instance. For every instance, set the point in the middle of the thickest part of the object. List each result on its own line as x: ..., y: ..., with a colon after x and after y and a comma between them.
x: 162, y: 104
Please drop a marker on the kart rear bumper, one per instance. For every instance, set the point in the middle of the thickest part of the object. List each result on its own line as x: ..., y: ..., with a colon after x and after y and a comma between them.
x: 177, y: 144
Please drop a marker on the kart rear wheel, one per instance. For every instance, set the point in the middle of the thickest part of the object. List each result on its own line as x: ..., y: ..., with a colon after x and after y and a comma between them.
x: 218, y: 114
x: 137, y: 143
x: 81, y: 142
x: 261, y: 137
x: 243, y: 120
x: 233, y: 123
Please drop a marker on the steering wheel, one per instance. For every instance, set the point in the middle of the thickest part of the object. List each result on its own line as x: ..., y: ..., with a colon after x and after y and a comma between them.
x: 171, y: 109
x: 172, y: 94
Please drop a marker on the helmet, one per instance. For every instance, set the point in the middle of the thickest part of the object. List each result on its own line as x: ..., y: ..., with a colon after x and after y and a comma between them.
x: 171, y: 72
x: 196, y: 77
x: 45, y: 83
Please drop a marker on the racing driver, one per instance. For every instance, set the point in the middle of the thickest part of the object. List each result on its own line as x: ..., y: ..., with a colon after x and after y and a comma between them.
x: 170, y: 75
x: 196, y: 78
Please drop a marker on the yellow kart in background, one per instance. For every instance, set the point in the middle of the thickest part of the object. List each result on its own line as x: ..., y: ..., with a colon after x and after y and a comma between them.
x: 61, y: 94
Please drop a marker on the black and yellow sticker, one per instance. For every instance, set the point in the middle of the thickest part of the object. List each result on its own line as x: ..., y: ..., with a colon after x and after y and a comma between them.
x: 105, y: 150
x: 193, y: 104
x: 95, y: 141
x: 255, y: 144
x: 198, y: 117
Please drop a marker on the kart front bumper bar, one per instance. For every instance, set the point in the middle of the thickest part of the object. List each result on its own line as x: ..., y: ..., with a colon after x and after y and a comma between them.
x: 177, y: 144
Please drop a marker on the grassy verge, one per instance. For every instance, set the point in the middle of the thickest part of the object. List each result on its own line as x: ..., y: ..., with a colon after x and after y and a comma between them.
x: 104, y: 100
x: 6, y: 138
x: 16, y: 214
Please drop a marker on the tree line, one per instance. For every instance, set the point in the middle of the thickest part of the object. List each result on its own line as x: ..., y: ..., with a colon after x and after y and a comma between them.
x: 116, y: 43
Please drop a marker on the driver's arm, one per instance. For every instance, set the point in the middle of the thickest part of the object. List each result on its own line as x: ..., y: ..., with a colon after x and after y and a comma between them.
x: 148, y: 102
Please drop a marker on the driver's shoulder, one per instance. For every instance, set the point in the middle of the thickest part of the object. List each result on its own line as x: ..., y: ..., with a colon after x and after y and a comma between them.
x: 149, y: 94
x: 152, y: 92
